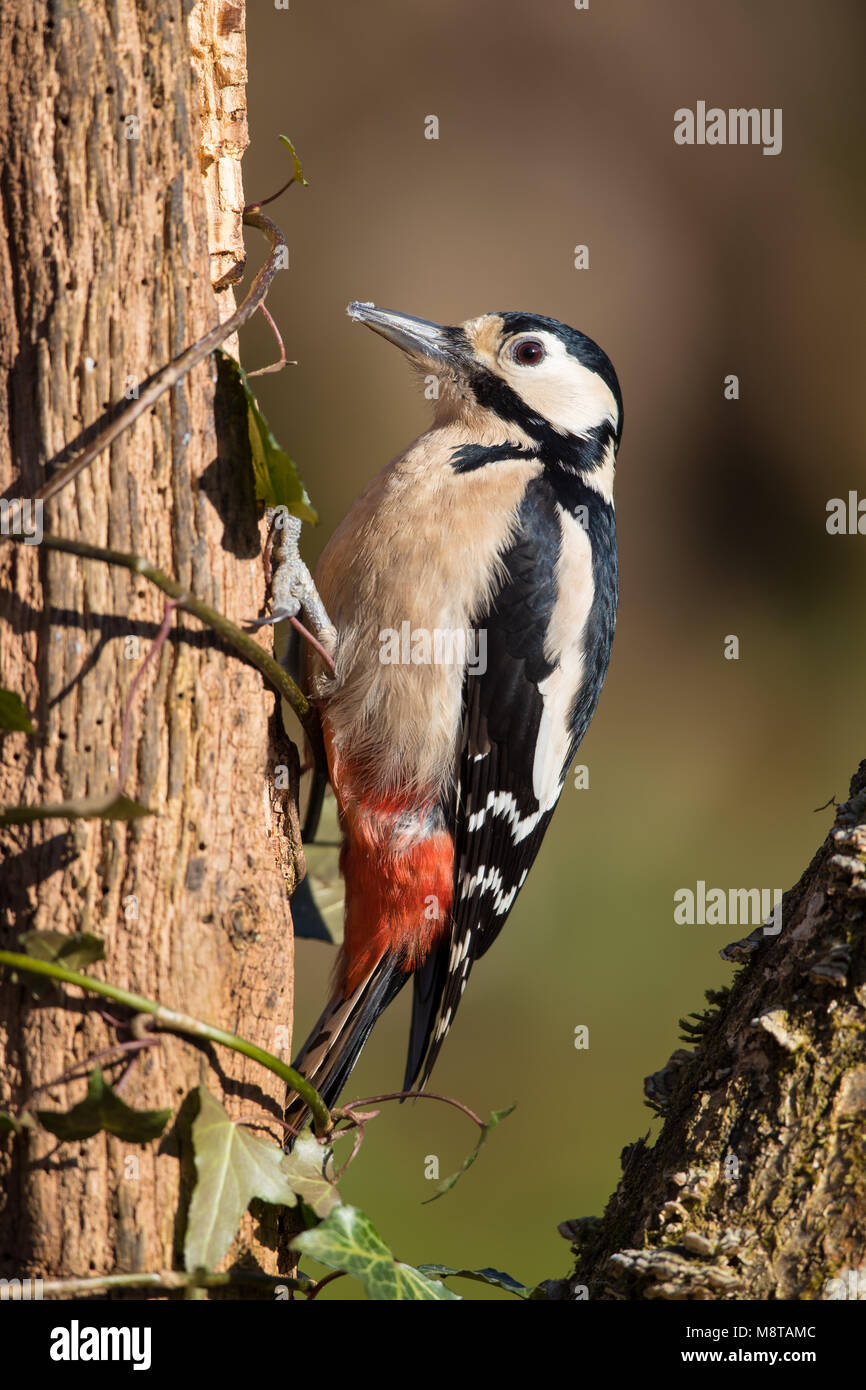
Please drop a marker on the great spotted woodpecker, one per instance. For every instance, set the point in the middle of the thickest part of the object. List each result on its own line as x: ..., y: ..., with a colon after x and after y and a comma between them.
x: 493, y: 534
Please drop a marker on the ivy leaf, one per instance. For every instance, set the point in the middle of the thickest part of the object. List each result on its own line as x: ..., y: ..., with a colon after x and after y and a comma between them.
x: 103, y: 1109
x: 310, y: 1172
x: 299, y: 173
x: 74, y: 951
x: 447, y: 1183
x: 347, y: 1240
x: 114, y: 807
x: 13, y: 713
x: 276, y: 477
x: 233, y: 1167
x: 494, y: 1277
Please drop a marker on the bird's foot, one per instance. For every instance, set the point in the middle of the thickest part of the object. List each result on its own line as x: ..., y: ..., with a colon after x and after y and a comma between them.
x: 292, y: 586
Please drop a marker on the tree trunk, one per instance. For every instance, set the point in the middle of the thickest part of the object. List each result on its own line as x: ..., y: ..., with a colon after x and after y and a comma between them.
x: 121, y: 130
x: 756, y: 1186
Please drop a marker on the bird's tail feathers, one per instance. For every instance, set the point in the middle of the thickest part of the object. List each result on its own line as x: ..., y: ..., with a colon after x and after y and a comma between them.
x: 335, y: 1043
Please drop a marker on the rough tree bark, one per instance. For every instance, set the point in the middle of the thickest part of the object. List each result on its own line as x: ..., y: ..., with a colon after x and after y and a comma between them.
x: 756, y: 1186
x: 121, y: 130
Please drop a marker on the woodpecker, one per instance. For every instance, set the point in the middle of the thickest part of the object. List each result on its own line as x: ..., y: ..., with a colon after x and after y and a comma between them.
x: 495, y: 530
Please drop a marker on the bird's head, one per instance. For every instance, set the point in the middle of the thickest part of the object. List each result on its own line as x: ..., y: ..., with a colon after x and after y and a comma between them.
x: 534, y: 373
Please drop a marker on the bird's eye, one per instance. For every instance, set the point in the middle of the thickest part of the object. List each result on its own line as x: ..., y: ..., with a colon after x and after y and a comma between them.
x: 528, y: 352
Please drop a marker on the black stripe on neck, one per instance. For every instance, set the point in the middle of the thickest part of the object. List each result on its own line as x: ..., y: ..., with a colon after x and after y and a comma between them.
x: 585, y: 452
x: 572, y: 490
x: 471, y: 456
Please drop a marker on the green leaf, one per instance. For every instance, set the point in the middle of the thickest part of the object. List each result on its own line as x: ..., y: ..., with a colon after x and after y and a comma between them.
x: 347, y: 1240
x: 13, y: 713
x: 276, y: 477
x: 74, y: 950
x: 447, y: 1183
x: 104, y: 1110
x: 494, y: 1277
x: 310, y: 1172
x: 299, y: 173
x: 233, y: 1167
x: 114, y: 807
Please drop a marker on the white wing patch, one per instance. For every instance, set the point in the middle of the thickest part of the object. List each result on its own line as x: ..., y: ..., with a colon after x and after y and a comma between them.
x: 458, y: 952
x: 575, y: 591
x: 486, y: 880
x: 504, y: 804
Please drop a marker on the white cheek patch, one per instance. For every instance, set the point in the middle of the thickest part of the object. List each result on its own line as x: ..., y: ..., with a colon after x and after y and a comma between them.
x: 561, y: 390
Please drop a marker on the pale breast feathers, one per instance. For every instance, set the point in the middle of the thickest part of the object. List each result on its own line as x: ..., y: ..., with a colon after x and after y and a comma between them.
x: 406, y: 578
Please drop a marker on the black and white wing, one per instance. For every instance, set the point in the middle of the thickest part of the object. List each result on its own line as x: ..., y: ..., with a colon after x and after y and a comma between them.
x: 508, y: 780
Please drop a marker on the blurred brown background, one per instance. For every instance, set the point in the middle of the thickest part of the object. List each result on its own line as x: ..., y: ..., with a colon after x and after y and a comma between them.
x: 556, y: 128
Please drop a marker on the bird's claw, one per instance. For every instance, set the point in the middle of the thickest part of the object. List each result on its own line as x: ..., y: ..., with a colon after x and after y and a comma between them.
x: 292, y: 586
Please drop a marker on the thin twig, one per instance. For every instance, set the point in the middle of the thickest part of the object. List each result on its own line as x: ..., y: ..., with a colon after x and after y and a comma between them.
x: 263, y: 202
x: 275, y: 366
x: 177, y: 369
x: 328, y: 1279
x: 175, y: 1022
x: 314, y: 643
x: 109, y: 1018
x: 176, y: 1279
x: 361, y: 1121
x: 241, y: 641
x: 410, y: 1095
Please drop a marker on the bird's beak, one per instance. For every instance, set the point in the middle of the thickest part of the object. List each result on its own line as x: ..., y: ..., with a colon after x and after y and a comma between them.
x: 420, y: 339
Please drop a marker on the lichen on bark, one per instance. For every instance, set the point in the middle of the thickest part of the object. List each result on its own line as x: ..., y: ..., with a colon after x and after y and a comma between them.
x: 756, y: 1186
